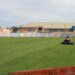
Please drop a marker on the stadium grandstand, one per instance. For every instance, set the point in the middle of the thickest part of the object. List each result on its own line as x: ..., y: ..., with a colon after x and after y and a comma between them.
x: 45, y: 27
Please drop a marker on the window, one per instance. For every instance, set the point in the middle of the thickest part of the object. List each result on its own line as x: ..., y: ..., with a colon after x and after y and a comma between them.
x: 70, y: 30
x: 29, y: 30
x: 40, y: 29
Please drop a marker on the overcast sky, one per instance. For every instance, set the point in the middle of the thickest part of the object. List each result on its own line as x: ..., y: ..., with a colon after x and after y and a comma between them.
x: 21, y: 12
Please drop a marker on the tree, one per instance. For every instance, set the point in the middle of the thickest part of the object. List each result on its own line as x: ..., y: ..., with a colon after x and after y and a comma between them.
x: 14, y: 29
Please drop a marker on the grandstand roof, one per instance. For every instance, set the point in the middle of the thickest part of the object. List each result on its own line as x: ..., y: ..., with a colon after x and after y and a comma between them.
x: 49, y: 25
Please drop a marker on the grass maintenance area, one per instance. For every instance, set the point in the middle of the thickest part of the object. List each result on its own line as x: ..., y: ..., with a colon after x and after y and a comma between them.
x: 18, y: 54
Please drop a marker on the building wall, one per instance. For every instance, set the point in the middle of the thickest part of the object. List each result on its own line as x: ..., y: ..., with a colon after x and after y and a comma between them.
x: 4, y: 31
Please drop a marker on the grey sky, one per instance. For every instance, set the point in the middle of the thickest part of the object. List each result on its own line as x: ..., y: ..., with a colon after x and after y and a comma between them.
x: 20, y: 12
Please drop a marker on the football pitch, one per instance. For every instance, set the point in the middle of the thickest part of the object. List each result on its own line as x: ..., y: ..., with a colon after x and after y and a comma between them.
x: 18, y: 54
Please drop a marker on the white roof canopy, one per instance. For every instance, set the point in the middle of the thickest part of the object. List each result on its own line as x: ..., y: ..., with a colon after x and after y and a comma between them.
x: 50, y: 25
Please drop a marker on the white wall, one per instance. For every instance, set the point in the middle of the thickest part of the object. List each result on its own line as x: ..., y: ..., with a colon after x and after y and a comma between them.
x: 32, y: 34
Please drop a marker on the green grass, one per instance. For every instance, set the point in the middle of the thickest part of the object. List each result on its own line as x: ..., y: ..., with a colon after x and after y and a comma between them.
x: 34, y: 53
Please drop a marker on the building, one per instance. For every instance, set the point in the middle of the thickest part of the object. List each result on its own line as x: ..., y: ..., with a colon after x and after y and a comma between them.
x: 4, y: 31
x: 45, y: 27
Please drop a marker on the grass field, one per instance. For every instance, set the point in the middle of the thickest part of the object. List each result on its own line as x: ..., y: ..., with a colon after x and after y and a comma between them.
x: 33, y: 53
